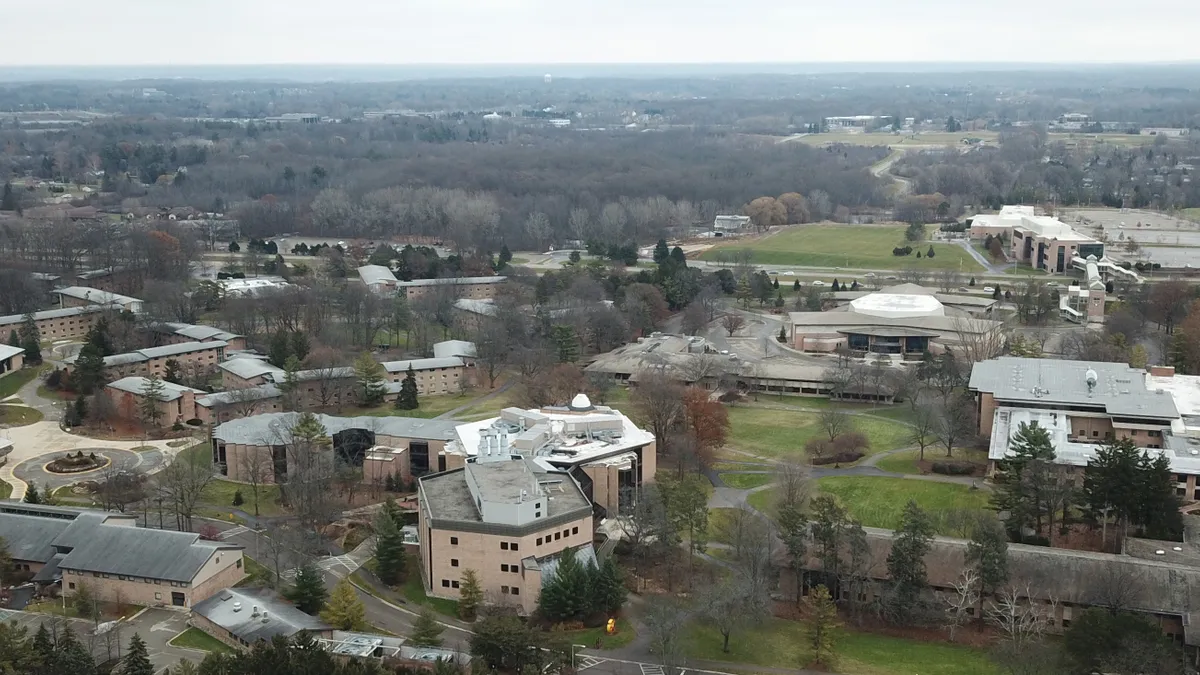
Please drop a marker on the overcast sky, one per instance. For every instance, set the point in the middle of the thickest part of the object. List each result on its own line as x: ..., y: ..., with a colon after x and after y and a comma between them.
x: 188, y: 32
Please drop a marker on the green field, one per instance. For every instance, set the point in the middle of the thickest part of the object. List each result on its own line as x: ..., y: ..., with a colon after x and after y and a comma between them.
x: 906, y: 462
x: 897, y: 140
x: 219, y: 494
x: 194, y: 638
x: 18, y: 415
x: 745, y: 481
x: 9, y: 384
x: 879, y: 502
x: 852, y: 246
x: 1191, y: 214
x: 781, y: 434
x: 779, y: 643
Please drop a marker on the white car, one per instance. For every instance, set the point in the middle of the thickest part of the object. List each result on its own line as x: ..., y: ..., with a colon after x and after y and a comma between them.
x: 870, y: 275
x: 988, y: 289
x: 818, y: 282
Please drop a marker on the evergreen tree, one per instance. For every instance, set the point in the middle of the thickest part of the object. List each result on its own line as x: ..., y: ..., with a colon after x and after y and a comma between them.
x: 744, y: 292
x: 153, y: 393
x: 98, y: 335
x: 996, y: 293
x: 31, y: 495
x: 678, y: 257
x: 783, y: 333
x: 929, y: 254
x: 564, y: 596
x: 822, y: 626
x: 836, y: 286
x: 234, y: 247
x: 906, y: 560
x: 972, y: 282
x: 661, y: 252
x: 290, y: 386
x: 89, y: 370
x: 14, y: 340
x: 308, y: 592
x: 775, y: 283
x: 31, y: 340
x: 607, y: 588
x: 71, y: 657
x: 854, y: 286
x: 987, y: 554
x: 426, y: 631
x: 76, y: 415
x: 279, y: 349
x: 1023, y: 485
x: 796, y: 285
x: 566, y: 343
x: 370, y: 375
x: 300, y: 346
x: 9, y: 201
x: 173, y: 372
x: 390, y: 555
x: 238, y: 499
x: 470, y: 596
x: 407, y: 398
x: 345, y: 611
x: 43, y: 647
x: 506, y: 257
x: 137, y: 659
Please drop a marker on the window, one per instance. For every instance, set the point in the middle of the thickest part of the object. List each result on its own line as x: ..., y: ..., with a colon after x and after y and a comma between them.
x: 504, y: 546
x: 158, y: 596
x: 516, y: 591
x: 145, y: 581
x: 538, y: 514
x: 238, y: 564
x: 557, y: 536
x: 1133, y: 432
x: 454, y: 562
x: 504, y: 589
x: 1066, y: 623
x: 1096, y: 433
x: 503, y: 567
x: 454, y: 584
x: 454, y: 541
x: 445, y: 583
x: 574, y: 530
x: 514, y: 546
x: 71, y: 585
x: 539, y: 541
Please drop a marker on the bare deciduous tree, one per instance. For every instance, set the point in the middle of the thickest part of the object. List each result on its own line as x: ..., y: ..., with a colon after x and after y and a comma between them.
x: 732, y: 323
x: 835, y: 422
x: 962, y: 600
x: 1018, y: 618
x: 182, y: 484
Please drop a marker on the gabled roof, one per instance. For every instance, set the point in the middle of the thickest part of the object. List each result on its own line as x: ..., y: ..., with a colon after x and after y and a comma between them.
x: 50, y: 314
x: 457, y: 281
x: 422, y: 364
x: 248, y: 368
x: 156, y: 352
x: 141, y: 552
x: 9, y: 351
x: 376, y: 274
x: 96, y: 296
x: 273, y: 428
x: 450, y: 348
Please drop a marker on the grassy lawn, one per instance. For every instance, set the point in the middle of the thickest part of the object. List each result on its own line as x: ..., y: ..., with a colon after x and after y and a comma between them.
x: 5, y: 490
x: 906, y: 462
x: 588, y: 636
x: 879, y: 502
x: 219, y: 493
x: 856, y: 246
x: 257, y: 574
x: 194, y: 638
x: 430, y: 406
x: 745, y: 481
x: 780, y: 643
x: 413, y: 590
x: 782, y: 433
x: 1191, y: 214
x: 9, y: 384
x: 18, y: 416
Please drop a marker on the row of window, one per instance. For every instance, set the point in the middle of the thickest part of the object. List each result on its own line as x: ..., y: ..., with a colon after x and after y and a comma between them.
x: 122, y: 577
x: 558, y: 535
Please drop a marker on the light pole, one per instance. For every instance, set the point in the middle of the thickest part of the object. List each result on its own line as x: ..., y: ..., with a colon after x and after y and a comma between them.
x: 573, y: 646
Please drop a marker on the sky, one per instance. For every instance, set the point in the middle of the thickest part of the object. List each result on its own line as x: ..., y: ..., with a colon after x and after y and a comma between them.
x: 219, y: 32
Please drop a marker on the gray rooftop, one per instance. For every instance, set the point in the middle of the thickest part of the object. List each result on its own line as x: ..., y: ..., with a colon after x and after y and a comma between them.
x: 9, y: 351
x: 49, y: 314
x: 261, y: 392
x: 840, y: 320
x: 156, y: 352
x: 376, y: 274
x: 29, y: 537
x: 247, y: 369
x: 270, y: 428
x: 96, y: 296
x: 448, y: 499
x: 423, y: 364
x: 194, y: 331
x: 137, y: 385
x: 452, y: 280
x: 256, y: 614
x: 448, y: 348
x: 1120, y: 390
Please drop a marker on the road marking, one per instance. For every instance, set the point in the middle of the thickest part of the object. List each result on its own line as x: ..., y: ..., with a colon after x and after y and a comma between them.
x: 586, y: 662
x: 233, y: 532
x: 648, y: 669
x: 163, y: 627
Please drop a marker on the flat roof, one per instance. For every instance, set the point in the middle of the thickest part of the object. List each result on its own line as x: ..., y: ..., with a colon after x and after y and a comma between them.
x: 246, y: 368
x: 376, y: 274
x: 1119, y: 389
x: 137, y: 385
x: 566, y: 437
x: 458, y: 281
x: 270, y: 428
x: 447, y: 496
x: 95, y: 295
x: 256, y: 614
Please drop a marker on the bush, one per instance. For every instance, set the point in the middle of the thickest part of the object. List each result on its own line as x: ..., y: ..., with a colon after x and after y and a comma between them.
x: 54, y: 380
x: 238, y: 500
x: 729, y: 397
x: 209, y: 532
x: 952, y: 468
x: 902, y: 251
x: 851, y: 441
x: 837, y: 458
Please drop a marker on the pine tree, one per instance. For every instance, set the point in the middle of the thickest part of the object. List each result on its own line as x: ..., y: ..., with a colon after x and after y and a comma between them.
x: 234, y: 247
x: 43, y: 646
x: 987, y: 554
x: 300, y: 346
x: 426, y: 631
x: 566, y: 343
x: 279, y: 350
x: 796, y: 285
x: 906, y: 561
x: 836, y: 286
x: 14, y: 340
x: 31, y: 340
x: 137, y: 659
x: 153, y: 393
x: 775, y: 283
x: 345, y: 611
x: 607, y: 588
x: 291, y: 384
x: 390, y: 554
x: 407, y: 398
x: 854, y: 286
x: 369, y: 374
x: 929, y: 254
x: 564, y: 596
x: 70, y: 656
x: 98, y: 335
x: 238, y: 499
x: 783, y: 333
x: 661, y: 252
x: 744, y: 292
x: 172, y: 372
x: 89, y: 370
x: 470, y: 596
x: 506, y: 257
x: 1021, y: 488
x: 822, y: 625
x: 9, y: 201
x: 308, y: 592
x: 31, y: 495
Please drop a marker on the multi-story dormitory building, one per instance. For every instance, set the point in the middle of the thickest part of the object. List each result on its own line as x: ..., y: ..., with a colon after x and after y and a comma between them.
x: 59, y: 324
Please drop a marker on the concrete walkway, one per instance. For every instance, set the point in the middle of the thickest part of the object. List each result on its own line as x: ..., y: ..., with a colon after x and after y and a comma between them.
x: 451, y: 414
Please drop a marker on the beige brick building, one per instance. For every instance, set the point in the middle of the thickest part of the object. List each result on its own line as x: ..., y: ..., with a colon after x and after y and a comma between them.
x: 602, y: 449
x: 58, y: 324
x: 176, y: 403
x: 472, y: 288
x: 114, y: 558
x: 172, y: 333
x: 264, y: 444
x: 11, y: 358
x: 196, y: 356
x: 506, y: 518
x: 83, y: 296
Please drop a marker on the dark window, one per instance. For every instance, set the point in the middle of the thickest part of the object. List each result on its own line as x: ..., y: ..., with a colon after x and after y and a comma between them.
x: 1066, y: 623
x: 177, y: 599
x: 574, y: 530
x: 504, y: 589
x: 503, y: 567
x: 454, y: 541
x: 454, y: 562
x: 504, y: 546
x: 516, y: 591
x: 454, y: 584
x: 445, y: 583
x: 557, y: 536
x: 238, y: 564
x: 514, y: 546
x: 538, y: 514
x: 1097, y: 433
x: 539, y: 541
x: 72, y: 585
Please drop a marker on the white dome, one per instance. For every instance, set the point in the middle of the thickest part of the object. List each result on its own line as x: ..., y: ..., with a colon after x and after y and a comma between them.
x: 893, y: 305
x: 581, y: 402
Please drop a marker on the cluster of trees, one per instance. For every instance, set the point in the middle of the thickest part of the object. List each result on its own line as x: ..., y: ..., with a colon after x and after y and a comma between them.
x: 581, y: 591
x: 302, y: 655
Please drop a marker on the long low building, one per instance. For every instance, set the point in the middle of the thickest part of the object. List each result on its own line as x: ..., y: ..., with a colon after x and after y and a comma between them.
x: 903, y: 322
x: 59, y: 324
x: 471, y: 288
x: 177, y: 333
x: 82, y: 296
x: 116, y: 560
x: 201, y: 356
x: 1046, y: 243
x: 176, y: 403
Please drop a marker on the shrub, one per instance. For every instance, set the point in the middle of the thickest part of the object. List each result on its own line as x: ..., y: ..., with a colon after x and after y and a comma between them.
x: 54, y: 380
x: 851, y: 441
x: 952, y: 468
x: 818, y: 448
x: 729, y: 397
x: 838, y: 458
x: 902, y: 251
x: 209, y: 532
